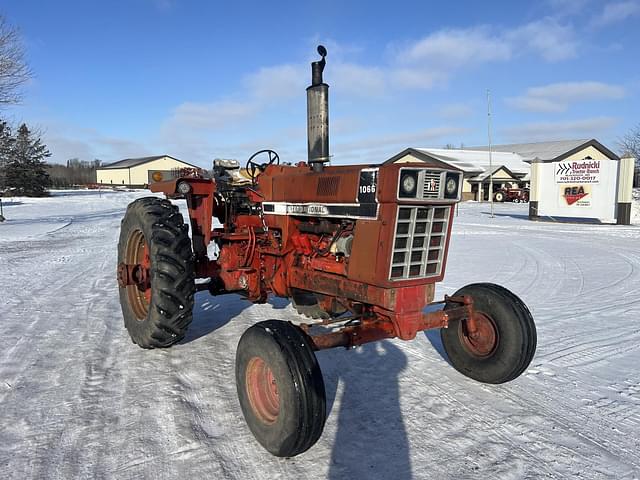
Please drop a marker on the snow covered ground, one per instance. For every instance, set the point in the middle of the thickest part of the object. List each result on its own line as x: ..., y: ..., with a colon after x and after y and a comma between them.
x: 79, y: 400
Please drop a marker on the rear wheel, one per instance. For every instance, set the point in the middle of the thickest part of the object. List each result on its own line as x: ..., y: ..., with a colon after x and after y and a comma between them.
x: 505, y: 339
x: 154, y: 252
x: 280, y: 387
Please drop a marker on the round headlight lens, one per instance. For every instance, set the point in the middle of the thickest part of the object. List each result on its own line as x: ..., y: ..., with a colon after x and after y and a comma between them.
x: 184, y: 188
x: 408, y: 183
x: 451, y: 186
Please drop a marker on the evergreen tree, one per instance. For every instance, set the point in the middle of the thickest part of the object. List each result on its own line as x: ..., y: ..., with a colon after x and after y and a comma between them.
x: 6, y: 145
x: 25, y: 171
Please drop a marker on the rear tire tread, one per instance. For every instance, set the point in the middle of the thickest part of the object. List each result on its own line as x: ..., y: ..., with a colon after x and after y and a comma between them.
x: 172, y: 273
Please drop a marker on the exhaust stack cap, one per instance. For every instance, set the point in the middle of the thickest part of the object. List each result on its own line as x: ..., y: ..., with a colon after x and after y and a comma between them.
x: 318, y: 67
x: 318, y: 115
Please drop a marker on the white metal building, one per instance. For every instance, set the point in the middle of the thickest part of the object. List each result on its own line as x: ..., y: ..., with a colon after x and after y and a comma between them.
x: 135, y: 172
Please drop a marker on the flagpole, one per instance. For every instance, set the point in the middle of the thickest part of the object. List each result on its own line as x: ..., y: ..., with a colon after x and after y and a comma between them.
x: 490, y: 152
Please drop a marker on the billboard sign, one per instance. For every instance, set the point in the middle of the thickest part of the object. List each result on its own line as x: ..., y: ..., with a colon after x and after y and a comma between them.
x: 578, y: 189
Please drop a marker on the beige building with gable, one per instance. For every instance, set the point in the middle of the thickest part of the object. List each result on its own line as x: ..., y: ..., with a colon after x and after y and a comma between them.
x: 136, y: 172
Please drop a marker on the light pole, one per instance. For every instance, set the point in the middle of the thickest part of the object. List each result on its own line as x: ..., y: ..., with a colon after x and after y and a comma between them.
x: 490, y: 153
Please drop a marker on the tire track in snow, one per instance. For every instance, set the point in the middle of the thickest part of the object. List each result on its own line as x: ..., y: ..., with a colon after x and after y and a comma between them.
x: 539, y: 433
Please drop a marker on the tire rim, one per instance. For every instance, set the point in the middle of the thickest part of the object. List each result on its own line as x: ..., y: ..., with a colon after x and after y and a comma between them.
x: 137, y: 253
x: 262, y: 391
x: 485, y: 340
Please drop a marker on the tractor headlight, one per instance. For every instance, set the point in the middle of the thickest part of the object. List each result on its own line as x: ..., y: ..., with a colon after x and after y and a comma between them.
x: 408, y: 184
x: 184, y: 188
x: 451, y: 185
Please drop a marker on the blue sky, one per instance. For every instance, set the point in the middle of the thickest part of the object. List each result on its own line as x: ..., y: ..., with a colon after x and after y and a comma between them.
x: 199, y: 80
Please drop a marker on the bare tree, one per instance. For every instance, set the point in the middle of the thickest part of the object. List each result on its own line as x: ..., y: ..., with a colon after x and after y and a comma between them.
x: 630, y: 143
x: 14, y: 71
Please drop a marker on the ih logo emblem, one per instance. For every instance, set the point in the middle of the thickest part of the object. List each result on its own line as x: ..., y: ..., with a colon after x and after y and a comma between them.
x: 573, y: 194
x: 433, y: 185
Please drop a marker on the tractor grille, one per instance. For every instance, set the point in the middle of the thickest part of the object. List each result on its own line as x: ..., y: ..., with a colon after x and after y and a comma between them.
x: 431, y: 184
x: 418, y: 244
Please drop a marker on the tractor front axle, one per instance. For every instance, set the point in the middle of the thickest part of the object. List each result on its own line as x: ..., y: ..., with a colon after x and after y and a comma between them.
x: 404, y: 326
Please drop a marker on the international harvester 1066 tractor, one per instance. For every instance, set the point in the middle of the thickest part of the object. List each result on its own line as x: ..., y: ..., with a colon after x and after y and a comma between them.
x: 358, y: 249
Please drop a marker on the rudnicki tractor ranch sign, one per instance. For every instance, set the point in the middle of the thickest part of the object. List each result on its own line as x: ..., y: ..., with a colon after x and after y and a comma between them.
x: 574, y: 181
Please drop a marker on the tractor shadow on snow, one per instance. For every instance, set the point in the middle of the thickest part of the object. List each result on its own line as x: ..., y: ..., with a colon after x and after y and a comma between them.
x: 211, y: 313
x: 371, y: 437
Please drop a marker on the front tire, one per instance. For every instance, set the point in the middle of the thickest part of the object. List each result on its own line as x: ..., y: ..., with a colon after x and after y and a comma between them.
x: 499, y: 197
x: 506, y: 340
x: 157, y: 312
x: 280, y: 387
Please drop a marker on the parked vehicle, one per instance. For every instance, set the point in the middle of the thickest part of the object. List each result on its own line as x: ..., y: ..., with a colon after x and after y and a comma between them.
x: 515, y: 195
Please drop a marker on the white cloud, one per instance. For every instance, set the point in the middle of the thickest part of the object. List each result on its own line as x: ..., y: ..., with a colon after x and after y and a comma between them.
x: 557, y: 97
x: 567, y: 7
x: 455, y: 111
x: 209, y: 116
x: 546, y: 38
x: 455, y: 48
x: 616, y: 12
x: 277, y: 82
x: 541, y: 131
x: 431, y: 60
x: 416, y: 78
x: 416, y: 139
x: 67, y: 141
x: 354, y: 79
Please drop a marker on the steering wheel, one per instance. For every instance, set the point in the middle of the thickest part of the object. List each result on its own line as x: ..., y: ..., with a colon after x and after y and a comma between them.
x: 253, y: 166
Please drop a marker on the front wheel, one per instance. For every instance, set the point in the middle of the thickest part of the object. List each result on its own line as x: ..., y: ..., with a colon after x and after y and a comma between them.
x: 280, y: 387
x: 499, y: 197
x: 505, y: 339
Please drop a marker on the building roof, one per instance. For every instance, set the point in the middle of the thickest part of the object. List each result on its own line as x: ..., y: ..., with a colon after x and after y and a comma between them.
x: 554, y: 150
x: 477, y: 161
x: 484, y: 175
x: 134, y: 162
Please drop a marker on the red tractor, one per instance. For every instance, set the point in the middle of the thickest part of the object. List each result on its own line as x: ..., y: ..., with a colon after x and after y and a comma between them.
x: 515, y: 195
x: 358, y: 249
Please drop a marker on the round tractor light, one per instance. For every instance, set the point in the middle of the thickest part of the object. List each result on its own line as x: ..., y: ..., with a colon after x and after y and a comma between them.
x: 408, y: 183
x: 184, y: 188
x: 451, y: 186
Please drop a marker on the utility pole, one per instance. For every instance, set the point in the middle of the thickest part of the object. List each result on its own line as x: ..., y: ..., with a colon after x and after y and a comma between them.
x: 490, y: 152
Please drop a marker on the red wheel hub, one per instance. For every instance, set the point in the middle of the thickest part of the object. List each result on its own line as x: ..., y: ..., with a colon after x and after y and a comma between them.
x: 262, y: 391
x: 483, y: 340
x: 134, y: 274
